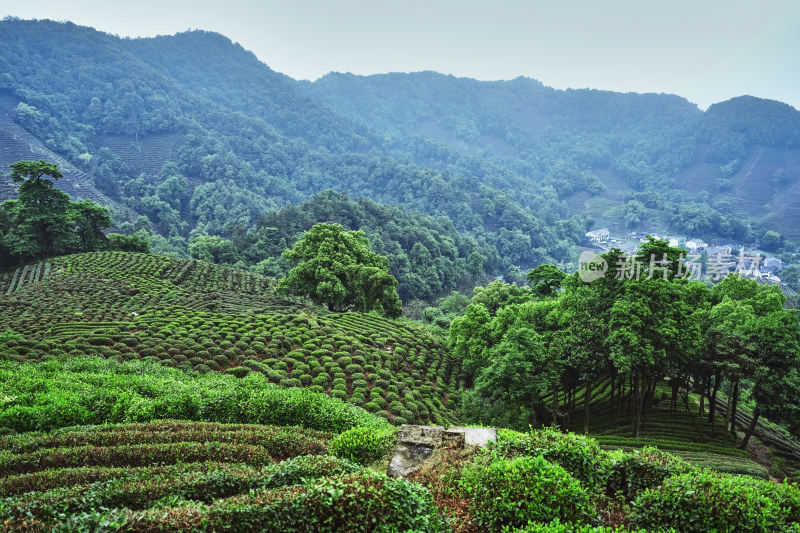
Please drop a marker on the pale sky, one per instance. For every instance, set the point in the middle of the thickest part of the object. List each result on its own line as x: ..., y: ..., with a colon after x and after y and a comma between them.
x: 704, y: 50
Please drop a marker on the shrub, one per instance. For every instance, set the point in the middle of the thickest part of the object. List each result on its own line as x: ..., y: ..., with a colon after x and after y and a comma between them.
x: 372, y: 407
x: 709, y: 501
x: 352, y: 368
x: 632, y: 473
x: 363, y: 501
x: 294, y: 470
x: 556, y: 526
x: 238, y: 371
x: 579, y: 455
x: 517, y: 491
x: 363, y: 445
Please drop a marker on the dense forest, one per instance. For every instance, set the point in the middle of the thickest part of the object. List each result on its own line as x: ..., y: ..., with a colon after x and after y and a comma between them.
x: 191, y: 135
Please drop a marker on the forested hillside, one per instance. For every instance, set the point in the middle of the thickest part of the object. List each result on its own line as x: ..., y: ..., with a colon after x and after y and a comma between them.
x: 196, y: 135
x: 629, y: 160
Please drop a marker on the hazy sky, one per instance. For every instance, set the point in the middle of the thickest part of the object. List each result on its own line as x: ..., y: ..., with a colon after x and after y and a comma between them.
x: 704, y: 50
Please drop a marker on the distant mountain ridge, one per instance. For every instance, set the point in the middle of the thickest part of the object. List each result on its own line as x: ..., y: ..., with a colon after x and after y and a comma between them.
x: 524, y: 166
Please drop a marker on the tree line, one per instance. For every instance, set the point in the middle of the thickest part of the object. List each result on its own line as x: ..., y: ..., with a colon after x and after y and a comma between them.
x: 526, y: 351
x: 43, y: 222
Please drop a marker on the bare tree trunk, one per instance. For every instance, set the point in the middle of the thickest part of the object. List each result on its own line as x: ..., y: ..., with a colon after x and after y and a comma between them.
x: 703, y: 397
x: 712, y: 401
x: 613, y: 415
x: 631, y: 407
x: 638, y: 405
x: 587, y: 398
x: 555, y: 405
x: 673, y: 403
x: 753, y: 422
x: 727, y: 418
x: 734, y: 406
x: 686, y: 396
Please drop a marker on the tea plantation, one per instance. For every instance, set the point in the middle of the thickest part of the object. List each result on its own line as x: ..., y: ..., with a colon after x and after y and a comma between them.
x: 192, y: 315
x: 146, y: 393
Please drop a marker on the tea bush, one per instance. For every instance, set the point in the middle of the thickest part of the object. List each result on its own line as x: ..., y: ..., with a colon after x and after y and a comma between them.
x: 56, y: 393
x: 362, y: 501
x: 633, y: 472
x: 513, y: 492
x: 363, y: 445
x: 556, y: 526
x: 581, y: 456
x: 710, y: 501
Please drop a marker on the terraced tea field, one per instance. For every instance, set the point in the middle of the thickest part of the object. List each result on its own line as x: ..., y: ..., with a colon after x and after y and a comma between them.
x: 206, y: 318
x: 197, y: 317
x: 685, y: 433
x: 145, y: 477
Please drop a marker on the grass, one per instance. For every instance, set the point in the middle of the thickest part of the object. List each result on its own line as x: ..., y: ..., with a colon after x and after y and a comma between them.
x: 683, y: 433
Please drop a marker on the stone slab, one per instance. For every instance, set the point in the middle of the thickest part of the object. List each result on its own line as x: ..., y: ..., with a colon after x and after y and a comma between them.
x: 415, y: 444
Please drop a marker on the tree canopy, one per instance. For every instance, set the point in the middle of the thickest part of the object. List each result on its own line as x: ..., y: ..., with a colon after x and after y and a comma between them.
x: 521, y: 349
x: 43, y: 222
x: 337, y: 268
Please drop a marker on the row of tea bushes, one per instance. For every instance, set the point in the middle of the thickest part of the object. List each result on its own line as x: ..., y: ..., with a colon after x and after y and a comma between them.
x: 178, y: 475
x: 109, y: 286
x: 196, y: 316
x: 85, y: 390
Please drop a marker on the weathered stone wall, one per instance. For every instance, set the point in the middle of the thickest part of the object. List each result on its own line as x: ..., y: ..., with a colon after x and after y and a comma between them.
x: 415, y: 444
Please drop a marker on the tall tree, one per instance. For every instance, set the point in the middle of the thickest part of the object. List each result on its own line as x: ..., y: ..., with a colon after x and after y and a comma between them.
x: 777, y: 375
x: 43, y: 222
x: 39, y: 223
x: 89, y: 221
x: 338, y: 268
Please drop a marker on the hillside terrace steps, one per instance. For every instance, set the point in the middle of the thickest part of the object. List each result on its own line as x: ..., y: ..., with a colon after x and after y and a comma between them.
x: 18, y: 144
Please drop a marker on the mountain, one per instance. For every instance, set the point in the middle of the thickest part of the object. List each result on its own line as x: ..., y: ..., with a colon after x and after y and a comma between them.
x: 194, y: 133
x: 684, y: 169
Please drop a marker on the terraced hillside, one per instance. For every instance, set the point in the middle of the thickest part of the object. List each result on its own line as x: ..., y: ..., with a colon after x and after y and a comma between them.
x: 687, y: 434
x: 206, y: 318
x: 179, y: 476
x: 18, y: 145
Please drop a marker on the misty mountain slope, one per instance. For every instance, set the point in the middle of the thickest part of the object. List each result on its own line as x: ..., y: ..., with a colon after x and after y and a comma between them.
x: 195, y: 133
x: 18, y: 144
x: 596, y: 148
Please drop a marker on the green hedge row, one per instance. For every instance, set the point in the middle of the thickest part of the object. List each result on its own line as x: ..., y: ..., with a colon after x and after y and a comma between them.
x: 78, y: 391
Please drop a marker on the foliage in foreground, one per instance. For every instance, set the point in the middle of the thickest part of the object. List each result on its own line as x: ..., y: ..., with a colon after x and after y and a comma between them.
x: 363, y: 445
x: 514, y: 492
x: 709, y: 501
x: 363, y: 501
x: 198, y: 476
x: 61, y: 393
x: 170, y: 476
